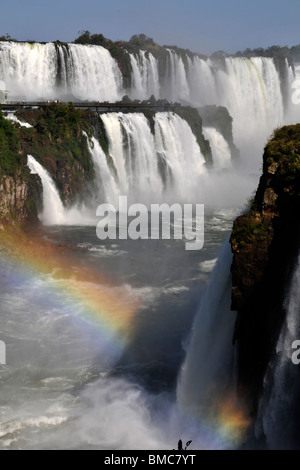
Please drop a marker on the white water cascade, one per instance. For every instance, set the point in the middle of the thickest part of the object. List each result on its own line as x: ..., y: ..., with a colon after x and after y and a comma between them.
x: 249, y: 88
x: 106, y: 185
x: 147, y: 166
x: 145, y: 76
x: 207, y: 374
x: 278, y: 415
x: 220, y: 149
x: 133, y: 155
x: 53, y: 210
x: 49, y: 71
x: 179, y: 150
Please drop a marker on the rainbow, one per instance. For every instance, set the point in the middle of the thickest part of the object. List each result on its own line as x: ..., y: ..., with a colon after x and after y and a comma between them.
x: 110, y: 311
x: 92, y: 299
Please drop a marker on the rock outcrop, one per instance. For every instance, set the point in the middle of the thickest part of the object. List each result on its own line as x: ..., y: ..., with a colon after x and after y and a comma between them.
x: 58, y: 141
x: 19, y: 196
x: 19, y: 190
x: 265, y: 243
x: 219, y: 118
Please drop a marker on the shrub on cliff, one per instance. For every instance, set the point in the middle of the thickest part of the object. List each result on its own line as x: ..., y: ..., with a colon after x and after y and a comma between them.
x: 9, y: 147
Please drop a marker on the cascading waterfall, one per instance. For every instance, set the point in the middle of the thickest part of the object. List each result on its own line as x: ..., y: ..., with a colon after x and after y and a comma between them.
x: 220, y: 149
x: 207, y: 375
x: 146, y: 165
x: 177, y: 83
x: 180, y: 152
x: 133, y: 154
x: 12, y: 117
x: 249, y: 88
x: 149, y: 166
x: 106, y: 185
x: 145, y: 76
x: 49, y: 71
x: 251, y: 91
x: 140, y: 165
x: 279, y: 413
x: 53, y: 210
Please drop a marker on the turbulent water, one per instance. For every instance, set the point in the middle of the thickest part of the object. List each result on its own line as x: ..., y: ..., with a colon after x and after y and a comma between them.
x: 76, y: 387
x: 72, y: 380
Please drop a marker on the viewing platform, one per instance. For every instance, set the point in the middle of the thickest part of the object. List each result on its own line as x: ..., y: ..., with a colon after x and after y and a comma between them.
x: 101, y: 107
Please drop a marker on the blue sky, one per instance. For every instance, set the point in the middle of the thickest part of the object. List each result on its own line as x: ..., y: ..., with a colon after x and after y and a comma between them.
x: 203, y: 26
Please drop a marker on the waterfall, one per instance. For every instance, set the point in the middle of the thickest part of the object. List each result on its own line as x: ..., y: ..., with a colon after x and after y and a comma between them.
x: 146, y: 166
x: 12, y: 117
x: 145, y: 76
x: 105, y: 181
x: 219, y: 147
x: 53, y: 210
x: 207, y: 375
x: 252, y: 93
x: 177, y: 86
x: 251, y: 89
x: 49, y: 71
x: 133, y: 155
x: 279, y: 411
x: 180, y: 154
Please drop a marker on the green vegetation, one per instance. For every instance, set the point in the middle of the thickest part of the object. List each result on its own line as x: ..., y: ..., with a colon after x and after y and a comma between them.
x: 250, y: 229
x: 283, y: 149
x: 119, y: 51
x: 57, y: 132
x: 295, y: 53
x: 10, y: 157
x: 276, y: 52
x: 7, y: 37
x: 278, y: 191
x: 58, y: 140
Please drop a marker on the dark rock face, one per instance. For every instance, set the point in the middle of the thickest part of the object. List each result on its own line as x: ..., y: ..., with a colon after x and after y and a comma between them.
x: 58, y: 141
x: 19, y: 198
x: 265, y: 243
x: 219, y: 117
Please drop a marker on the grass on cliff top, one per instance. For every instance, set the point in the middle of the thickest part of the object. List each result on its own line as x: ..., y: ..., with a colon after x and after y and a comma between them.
x: 10, y: 157
x: 249, y: 228
x: 284, y: 149
x: 57, y: 133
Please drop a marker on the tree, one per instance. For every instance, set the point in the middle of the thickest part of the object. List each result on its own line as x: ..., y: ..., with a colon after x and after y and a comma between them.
x: 141, y: 40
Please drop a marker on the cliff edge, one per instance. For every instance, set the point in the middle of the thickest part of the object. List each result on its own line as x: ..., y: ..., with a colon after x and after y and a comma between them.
x: 265, y: 243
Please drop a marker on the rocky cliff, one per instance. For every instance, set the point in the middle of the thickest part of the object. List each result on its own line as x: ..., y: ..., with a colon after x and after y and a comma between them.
x: 58, y: 140
x: 265, y: 243
x: 19, y: 197
x: 219, y: 117
x: 19, y: 190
